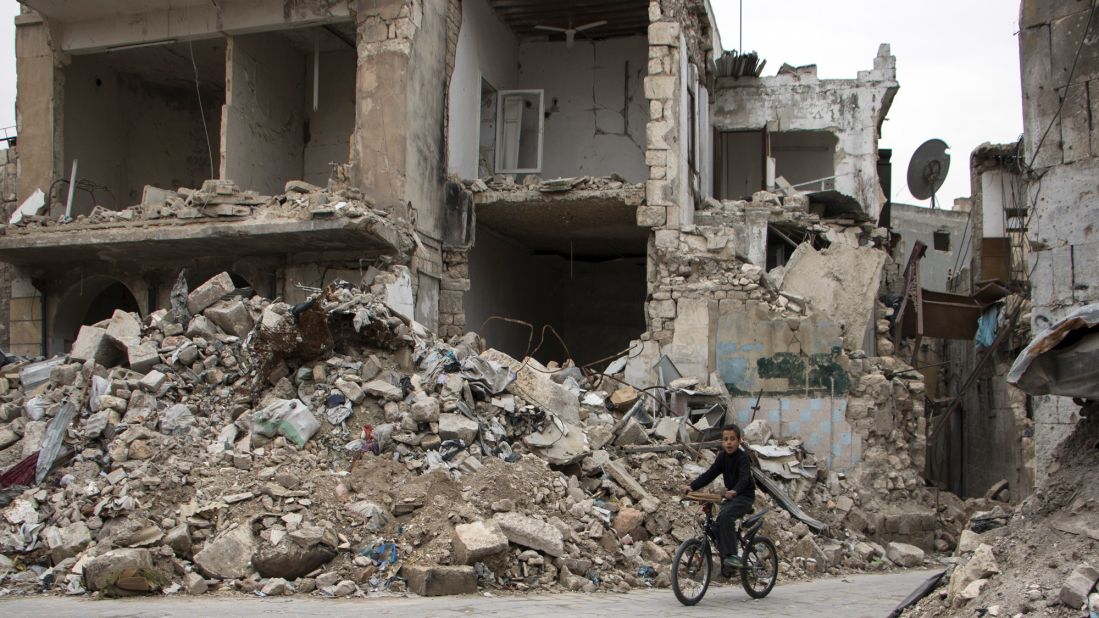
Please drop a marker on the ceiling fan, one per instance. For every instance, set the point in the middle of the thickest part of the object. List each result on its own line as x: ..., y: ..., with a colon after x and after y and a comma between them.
x: 570, y: 32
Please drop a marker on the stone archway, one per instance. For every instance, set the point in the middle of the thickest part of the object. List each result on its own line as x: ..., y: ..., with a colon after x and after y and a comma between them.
x: 90, y: 300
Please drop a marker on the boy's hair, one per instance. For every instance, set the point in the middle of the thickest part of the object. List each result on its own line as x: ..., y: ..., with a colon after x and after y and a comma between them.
x: 734, y: 428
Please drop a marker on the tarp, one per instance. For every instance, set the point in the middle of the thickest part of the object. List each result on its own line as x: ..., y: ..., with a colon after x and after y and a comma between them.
x: 1063, y: 359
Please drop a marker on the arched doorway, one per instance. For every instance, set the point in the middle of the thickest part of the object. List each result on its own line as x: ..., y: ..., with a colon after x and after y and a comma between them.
x: 90, y: 300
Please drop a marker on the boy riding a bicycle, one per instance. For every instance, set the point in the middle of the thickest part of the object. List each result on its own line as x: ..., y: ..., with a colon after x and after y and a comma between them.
x: 735, y: 469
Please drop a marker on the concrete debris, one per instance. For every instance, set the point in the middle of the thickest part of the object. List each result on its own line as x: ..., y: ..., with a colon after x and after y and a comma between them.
x: 206, y: 456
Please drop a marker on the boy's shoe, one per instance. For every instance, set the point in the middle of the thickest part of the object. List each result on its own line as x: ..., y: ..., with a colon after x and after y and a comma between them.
x: 732, y: 562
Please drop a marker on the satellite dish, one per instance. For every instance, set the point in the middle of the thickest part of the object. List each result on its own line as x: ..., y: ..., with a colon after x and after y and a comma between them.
x: 927, y: 169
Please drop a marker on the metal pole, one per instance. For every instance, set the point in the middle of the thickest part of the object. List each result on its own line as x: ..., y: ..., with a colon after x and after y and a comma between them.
x: 740, y: 43
x: 72, y: 190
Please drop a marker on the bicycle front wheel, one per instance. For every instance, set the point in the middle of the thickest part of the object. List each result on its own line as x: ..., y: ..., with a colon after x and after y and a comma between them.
x: 691, y: 568
x: 760, y: 571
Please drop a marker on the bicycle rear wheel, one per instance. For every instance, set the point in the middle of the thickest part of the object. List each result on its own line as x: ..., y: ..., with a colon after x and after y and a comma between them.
x: 691, y: 568
x: 760, y: 571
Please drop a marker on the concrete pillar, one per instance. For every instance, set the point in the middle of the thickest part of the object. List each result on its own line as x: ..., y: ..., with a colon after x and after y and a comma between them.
x: 757, y: 236
x: 37, y: 105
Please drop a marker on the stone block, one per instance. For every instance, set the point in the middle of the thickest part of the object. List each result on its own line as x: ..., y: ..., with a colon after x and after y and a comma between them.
x: 228, y: 555
x: 383, y: 390
x: 351, y: 390
x: 125, y: 327
x: 231, y: 316
x: 101, y: 572
x: 532, y: 533
x: 457, y: 427
x: 69, y: 541
x: 210, y: 292
x: 425, y: 409
x: 93, y: 343
x: 904, y: 554
x: 660, y: 87
x: 627, y: 520
x: 154, y: 382
x: 475, y: 541
x: 142, y: 357
x: 435, y: 581
x: 651, y: 216
x: 1075, y: 590
x: 664, y: 33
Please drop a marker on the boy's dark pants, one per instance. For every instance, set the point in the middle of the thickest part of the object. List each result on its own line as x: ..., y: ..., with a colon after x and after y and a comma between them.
x: 726, y: 523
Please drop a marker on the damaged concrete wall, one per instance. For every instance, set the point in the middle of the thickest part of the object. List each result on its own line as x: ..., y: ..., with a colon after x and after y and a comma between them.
x: 914, y: 223
x: 262, y: 126
x: 486, y: 50
x: 841, y: 282
x: 1064, y: 255
x: 595, y: 105
x: 852, y: 109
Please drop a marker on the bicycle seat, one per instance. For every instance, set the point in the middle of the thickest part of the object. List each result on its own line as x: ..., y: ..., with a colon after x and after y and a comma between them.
x: 755, y: 517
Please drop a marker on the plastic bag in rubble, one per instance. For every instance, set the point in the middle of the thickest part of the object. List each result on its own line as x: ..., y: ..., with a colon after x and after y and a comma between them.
x: 35, y: 408
x: 100, y: 386
x: 54, y: 440
x: 289, y: 418
x: 493, y: 375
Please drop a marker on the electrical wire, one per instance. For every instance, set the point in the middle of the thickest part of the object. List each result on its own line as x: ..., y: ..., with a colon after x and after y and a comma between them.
x: 202, y: 110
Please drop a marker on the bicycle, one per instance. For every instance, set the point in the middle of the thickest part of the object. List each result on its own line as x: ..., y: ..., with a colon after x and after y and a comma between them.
x: 692, y: 566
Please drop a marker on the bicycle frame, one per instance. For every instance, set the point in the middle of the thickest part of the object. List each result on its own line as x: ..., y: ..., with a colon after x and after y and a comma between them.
x: 744, y: 535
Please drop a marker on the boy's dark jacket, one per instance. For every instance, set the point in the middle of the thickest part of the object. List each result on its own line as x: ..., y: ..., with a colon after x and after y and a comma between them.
x: 736, y: 471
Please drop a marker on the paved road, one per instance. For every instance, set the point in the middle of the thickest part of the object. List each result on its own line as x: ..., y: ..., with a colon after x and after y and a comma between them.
x: 856, y: 596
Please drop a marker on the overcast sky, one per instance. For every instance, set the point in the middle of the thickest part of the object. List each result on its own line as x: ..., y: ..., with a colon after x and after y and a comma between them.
x: 957, y: 65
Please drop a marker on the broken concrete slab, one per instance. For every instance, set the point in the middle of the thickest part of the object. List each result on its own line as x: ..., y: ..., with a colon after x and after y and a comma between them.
x: 228, y: 555
x: 477, y: 540
x: 292, y: 558
x: 209, y: 293
x: 435, y: 581
x: 532, y: 533
x: 1074, y: 592
x: 557, y: 447
x: 533, y: 383
x: 840, y: 282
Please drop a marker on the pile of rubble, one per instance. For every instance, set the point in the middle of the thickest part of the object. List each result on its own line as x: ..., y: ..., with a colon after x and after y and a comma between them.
x: 336, y: 446
x: 216, y: 200
x: 1038, y: 557
x: 533, y: 182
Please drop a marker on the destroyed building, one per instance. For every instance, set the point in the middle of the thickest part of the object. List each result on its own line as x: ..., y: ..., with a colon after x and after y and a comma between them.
x: 256, y: 226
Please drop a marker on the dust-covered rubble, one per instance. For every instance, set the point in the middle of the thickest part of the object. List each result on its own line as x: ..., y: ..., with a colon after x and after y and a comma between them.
x: 337, y: 448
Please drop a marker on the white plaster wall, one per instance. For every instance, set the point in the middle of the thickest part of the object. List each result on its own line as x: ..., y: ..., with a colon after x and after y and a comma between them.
x: 261, y: 124
x: 331, y: 125
x: 486, y: 49
x: 993, y: 184
x: 595, y: 105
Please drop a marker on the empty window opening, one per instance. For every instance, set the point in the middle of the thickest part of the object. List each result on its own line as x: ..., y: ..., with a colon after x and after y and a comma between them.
x: 519, y: 131
x: 941, y: 240
x: 486, y: 145
x: 290, y: 106
x: 133, y: 117
x: 91, y: 300
x: 594, y: 302
x: 739, y: 164
x: 782, y: 241
x: 806, y: 159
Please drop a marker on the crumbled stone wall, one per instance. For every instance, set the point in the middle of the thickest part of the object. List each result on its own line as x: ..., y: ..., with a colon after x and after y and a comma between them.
x: 8, y: 203
x: 455, y: 283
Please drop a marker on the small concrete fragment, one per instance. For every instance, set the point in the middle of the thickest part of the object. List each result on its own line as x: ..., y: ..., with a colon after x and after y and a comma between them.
x: 476, y: 540
x: 904, y: 554
x: 194, y: 584
x: 383, y: 390
x: 436, y: 581
x: 532, y: 533
x: 457, y: 427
